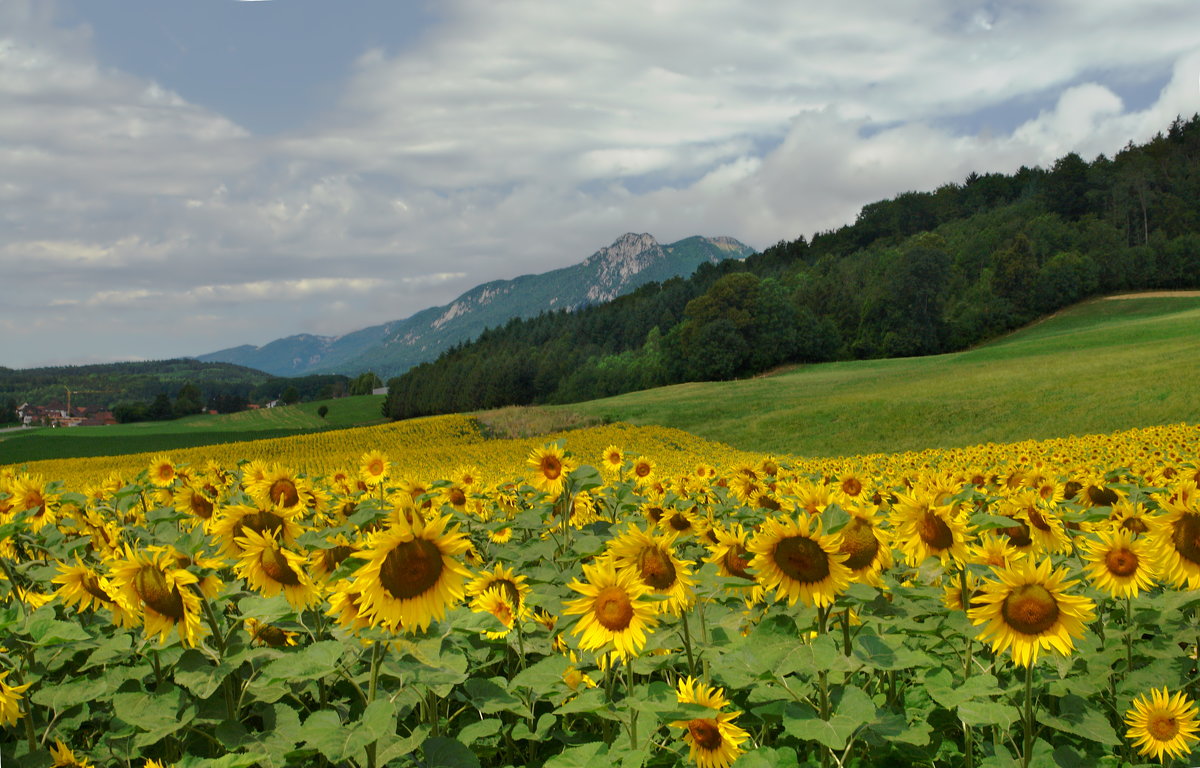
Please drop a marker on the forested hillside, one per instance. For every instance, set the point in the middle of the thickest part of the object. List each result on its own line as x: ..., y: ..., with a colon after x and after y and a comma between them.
x: 922, y: 273
x: 110, y: 384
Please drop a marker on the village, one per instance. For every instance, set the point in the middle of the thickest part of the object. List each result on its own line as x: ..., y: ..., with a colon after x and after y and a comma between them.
x: 58, y: 415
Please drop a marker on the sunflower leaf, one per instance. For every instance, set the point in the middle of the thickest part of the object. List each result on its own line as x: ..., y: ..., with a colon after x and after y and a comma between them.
x: 448, y: 753
x: 591, y: 755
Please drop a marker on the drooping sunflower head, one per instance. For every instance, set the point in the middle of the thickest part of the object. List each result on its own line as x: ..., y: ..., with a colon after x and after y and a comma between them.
x: 269, y: 635
x: 269, y: 568
x: 793, y: 558
x: 866, y: 545
x: 1176, y: 537
x: 1027, y: 609
x: 153, y: 582
x: 65, y: 757
x: 191, y: 499
x: 1163, y: 725
x: 729, y: 553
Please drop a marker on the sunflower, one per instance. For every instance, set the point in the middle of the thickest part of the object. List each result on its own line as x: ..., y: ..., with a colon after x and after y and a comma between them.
x: 412, y: 573
x: 162, y: 471
x: 10, y: 700
x: 268, y: 635
x: 281, y: 489
x: 642, y: 471
x: 64, y: 757
x: 190, y: 499
x: 1028, y: 610
x: 501, y: 535
x: 552, y: 469
x: 1044, y: 527
x: 612, y: 460
x: 30, y: 495
x: 1119, y: 563
x: 373, y: 468
x: 793, y: 558
x: 511, y: 584
x: 729, y: 553
x: 994, y: 550
x: 1132, y: 517
x: 345, y: 606
x: 652, y: 558
x: 924, y: 529
x: 1176, y: 536
x: 236, y: 519
x: 867, y: 547
x: 152, y: 582
x: 613, y: 609
x: 714, y: 742
x: 82, y: 587
x: 271, y: 569
x: 1161, y: 724
x: 496, y: 602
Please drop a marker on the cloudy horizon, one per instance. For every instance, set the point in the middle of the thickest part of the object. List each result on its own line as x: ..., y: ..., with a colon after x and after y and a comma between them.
x: 181, y: 178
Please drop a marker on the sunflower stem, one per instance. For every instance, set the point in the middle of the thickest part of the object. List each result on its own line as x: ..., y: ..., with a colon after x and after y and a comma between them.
x: 520, y: 643
x: 629, y: 683
x: 1027, y: 750
x: 846, y: 648
x: 968, y: 734
x: 372, y: 687
x: 687, y: 643
x: 1128, y: 635
x: 219, y: 640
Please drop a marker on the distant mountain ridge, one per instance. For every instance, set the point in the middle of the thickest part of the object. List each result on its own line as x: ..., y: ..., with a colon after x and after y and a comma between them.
x: 392, y: 348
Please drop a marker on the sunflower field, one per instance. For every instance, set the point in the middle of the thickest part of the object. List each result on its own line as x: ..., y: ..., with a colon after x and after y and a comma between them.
x: 419, y: 595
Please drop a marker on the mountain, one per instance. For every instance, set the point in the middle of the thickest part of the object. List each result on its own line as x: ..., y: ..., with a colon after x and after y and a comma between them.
x: 392, y: 348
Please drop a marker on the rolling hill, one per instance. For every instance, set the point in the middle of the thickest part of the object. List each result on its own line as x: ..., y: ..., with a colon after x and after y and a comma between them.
x: 1099, y: 366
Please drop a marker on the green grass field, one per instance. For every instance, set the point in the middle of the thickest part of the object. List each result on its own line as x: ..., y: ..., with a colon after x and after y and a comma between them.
x: 188, y: 432
x: 1097, y: 367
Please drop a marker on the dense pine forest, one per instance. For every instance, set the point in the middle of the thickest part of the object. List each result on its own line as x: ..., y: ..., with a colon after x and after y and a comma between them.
x: 919, y: 274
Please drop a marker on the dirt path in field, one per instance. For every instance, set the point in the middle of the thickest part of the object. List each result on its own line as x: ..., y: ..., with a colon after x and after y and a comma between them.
x: 1155, y: 295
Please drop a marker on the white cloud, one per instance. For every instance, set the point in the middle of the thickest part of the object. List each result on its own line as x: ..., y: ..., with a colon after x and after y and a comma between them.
x: 518, y: 137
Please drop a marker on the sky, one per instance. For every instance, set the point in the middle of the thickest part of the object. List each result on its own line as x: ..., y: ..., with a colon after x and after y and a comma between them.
x: 181, y: 177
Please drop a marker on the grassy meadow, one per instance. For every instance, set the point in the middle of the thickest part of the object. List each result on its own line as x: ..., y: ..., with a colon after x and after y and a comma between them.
x: 1099, y: 366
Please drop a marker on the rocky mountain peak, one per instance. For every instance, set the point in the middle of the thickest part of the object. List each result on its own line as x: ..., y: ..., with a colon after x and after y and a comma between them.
x: 626, y: 248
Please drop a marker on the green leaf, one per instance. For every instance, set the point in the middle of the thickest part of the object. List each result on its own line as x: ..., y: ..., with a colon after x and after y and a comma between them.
x: 544, y: 724
x: 489, y: 697
x: 309, y: 663
x: 591, y: 755
x: 977, y: 712
x: 47, y: 630
x: 481, y: 730
x: 1076, y: 717
x: 448, y: 753
x: 950, y: 693
x: 766, y: 757
x: 115, y: 648
x: 804, y: 724
x: 63, y: 696
x: 546, y: 675
x: 887, y: 653
x: 198, y: 674
x: 225, y: 761
x: 324, y: 730
x: 266, y: 609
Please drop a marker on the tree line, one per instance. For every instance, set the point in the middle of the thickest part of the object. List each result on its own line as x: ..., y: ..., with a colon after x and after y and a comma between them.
x: 921, y: 273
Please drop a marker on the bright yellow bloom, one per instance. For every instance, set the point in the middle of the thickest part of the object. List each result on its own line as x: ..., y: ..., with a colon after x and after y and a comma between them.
x: 1162, y: 725
x: 412, y: 573
x: 1119, y: 563
x: 373, y: 468
x: 1028, y: 610
x: 10, y: 700
x: 613, y: 609
x: 713, y: 742
x: 794, y: 559
x: 552, y: 469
